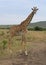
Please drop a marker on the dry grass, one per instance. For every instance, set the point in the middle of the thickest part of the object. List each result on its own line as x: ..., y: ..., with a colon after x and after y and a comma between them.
x: 31, y: 36
x: 39, y: 36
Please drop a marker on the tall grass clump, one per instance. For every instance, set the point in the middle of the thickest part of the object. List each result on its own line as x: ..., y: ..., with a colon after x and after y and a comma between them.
x: 4, y: 43
x: 2, y: 33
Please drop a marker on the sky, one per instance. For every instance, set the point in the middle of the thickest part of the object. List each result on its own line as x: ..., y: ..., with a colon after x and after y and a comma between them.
x: 15, y: 11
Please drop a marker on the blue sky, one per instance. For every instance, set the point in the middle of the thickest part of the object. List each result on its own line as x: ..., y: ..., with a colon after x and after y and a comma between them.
x: 15, y: 11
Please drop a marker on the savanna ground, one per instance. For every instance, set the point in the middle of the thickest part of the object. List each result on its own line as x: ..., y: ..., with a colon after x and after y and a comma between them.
x: 35, y: 45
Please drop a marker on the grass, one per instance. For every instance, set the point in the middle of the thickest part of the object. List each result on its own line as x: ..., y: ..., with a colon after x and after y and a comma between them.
x: 32, y: 37
x: 39, y: 36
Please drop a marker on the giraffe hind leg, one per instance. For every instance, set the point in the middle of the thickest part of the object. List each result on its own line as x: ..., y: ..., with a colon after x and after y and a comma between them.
x: 10, y: 39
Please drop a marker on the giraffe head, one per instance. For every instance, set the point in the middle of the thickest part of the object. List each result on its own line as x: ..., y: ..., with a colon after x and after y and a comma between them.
x: 34, y: 9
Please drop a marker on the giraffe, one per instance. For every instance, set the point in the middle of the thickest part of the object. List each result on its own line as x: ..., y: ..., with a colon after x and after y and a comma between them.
x: 22, y: 27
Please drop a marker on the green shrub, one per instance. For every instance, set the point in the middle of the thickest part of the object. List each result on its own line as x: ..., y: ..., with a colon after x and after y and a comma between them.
x: 2, y: 33
x: 4, y: 44
x: 38, y: 28
x: 30, y: 29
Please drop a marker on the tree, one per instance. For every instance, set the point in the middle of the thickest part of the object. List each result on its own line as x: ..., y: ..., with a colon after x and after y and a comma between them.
x: 38, y: 28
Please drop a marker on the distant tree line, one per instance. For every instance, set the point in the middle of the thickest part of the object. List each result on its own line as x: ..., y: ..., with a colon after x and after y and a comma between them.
x: 5, y: 28
x: 37, y: 28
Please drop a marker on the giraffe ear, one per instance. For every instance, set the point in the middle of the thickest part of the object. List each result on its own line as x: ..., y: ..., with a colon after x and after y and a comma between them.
x: 37, y: 9
x: 32, y: 8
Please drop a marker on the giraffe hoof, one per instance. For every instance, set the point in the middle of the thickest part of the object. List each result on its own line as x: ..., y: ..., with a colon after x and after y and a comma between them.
x: 26, y: 53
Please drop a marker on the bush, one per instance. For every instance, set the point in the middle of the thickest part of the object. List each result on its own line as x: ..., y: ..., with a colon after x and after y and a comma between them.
x: 38, y: 28
x: 2, y: 33
x: 30, y: 29
x: 4, y: 44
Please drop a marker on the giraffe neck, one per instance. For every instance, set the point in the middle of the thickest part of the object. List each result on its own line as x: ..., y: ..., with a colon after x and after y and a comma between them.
x: 28, y: 19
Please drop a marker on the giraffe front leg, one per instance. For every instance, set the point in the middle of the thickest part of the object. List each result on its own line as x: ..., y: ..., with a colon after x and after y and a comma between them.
x: 24, y: 43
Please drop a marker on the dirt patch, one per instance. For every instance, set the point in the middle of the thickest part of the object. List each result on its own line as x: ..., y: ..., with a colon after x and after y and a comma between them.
x: 36, y: 56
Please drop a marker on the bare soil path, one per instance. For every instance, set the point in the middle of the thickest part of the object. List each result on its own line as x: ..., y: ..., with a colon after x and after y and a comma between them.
x: 36, y: 56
